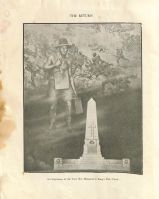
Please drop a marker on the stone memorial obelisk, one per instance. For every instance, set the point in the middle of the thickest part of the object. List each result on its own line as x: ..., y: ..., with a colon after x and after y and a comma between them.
x: 91, y: 146
x: 91, y: 158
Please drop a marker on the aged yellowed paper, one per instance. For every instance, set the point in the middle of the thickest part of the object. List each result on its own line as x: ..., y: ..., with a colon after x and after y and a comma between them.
x: 79, y: 99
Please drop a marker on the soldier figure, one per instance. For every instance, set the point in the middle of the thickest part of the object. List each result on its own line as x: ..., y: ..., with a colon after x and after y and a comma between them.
x: 120, y: 55
x: 61, y: 84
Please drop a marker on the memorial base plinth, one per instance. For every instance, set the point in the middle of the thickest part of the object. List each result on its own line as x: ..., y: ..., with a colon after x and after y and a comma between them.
x: 92, y: 163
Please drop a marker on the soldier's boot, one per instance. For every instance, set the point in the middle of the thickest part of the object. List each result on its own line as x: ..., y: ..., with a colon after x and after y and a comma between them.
x: 68, y: 120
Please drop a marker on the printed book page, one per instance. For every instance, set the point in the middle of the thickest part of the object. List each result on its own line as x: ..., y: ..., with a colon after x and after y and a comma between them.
x: 79, y: 99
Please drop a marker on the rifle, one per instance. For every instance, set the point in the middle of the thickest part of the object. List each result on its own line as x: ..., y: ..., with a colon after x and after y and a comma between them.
x: 78, y: 102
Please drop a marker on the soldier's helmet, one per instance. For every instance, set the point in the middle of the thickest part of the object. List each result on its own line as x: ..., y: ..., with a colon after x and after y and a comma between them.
x: 63, y: 42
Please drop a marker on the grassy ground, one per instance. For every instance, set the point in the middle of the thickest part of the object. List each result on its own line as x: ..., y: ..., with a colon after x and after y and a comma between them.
x: 119, y: 124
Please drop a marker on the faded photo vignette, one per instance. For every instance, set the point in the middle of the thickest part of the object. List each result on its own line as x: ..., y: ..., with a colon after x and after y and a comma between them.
x: 82, y: 97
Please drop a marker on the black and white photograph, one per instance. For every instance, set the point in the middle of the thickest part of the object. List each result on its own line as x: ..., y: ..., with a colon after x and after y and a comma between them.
x: 82, y: 97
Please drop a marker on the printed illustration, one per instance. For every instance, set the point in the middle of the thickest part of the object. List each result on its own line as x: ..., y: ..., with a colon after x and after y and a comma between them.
x: 82, y: 97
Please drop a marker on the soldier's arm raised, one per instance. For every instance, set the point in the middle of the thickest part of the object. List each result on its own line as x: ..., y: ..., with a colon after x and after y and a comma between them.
x: 49, y: 64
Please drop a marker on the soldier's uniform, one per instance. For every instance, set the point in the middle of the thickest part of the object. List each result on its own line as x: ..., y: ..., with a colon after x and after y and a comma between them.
x: 60, y: 87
